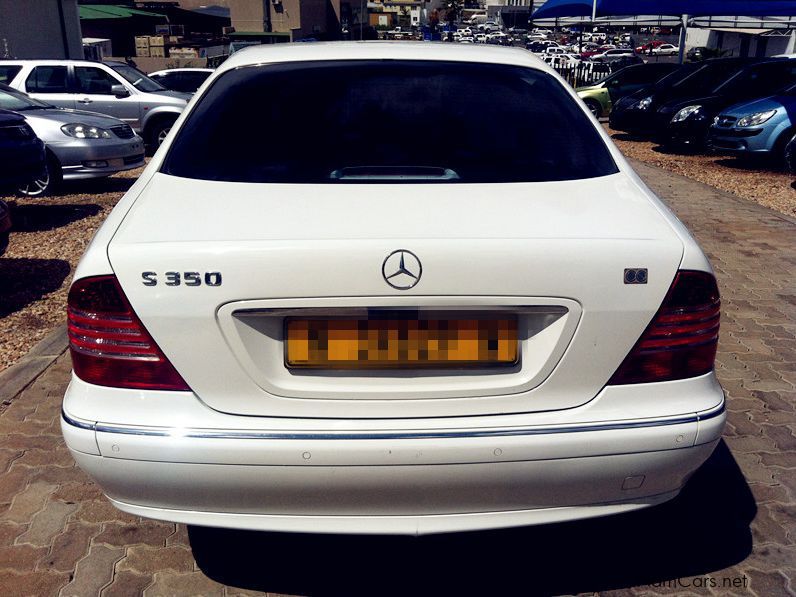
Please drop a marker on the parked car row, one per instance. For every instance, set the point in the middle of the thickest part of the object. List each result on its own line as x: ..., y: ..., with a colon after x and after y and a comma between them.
x: 731, y: 104
x: 601, y: 96
x: 111, y: 88
x: 52, y: 99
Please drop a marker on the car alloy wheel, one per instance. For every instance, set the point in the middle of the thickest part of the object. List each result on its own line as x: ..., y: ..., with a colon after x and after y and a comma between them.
x: 39, y: 186
x: 594, y: 108
x: 162, y: 133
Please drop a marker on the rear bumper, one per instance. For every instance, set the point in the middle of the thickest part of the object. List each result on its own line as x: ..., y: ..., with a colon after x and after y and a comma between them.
x: 406, y: 482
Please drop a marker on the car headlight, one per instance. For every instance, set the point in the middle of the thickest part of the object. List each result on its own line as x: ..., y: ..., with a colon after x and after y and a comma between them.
x: 756, y: 118
x: 643, y: 104
x: 84, y: 131
x: 686, y: 112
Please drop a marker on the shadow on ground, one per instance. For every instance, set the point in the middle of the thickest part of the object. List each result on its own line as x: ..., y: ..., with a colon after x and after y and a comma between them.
x: 23, y: 281
x: 703, y: 530
x: 91, y: 186
x: 36, y: 218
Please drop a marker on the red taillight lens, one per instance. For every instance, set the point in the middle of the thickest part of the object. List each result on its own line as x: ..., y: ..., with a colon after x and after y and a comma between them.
x: 109, y: 345
x: 681, y: 341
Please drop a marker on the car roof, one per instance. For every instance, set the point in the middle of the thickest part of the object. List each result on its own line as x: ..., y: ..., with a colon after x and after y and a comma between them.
x: 55, y: 61
x: 381, y: 50
x: 182, y: 70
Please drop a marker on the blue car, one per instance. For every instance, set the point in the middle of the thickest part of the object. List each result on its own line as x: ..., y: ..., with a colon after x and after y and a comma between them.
x: 763, y: 127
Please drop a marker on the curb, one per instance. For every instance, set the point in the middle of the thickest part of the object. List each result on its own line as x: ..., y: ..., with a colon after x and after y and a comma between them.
x: 23, y: 373
x: 771, y: 212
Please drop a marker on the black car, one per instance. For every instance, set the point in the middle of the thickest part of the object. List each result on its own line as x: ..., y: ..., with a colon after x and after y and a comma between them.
x: 21, y: 151
x: 5, y: 226
x: 187, y: 80
x: 638, y: 113
x: 689, y: 118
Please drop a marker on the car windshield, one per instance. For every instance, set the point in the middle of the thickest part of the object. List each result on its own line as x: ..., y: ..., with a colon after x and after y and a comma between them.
x: 707, y: 79
x: 387, y: 121
x: 137, y: 79
x: 19, y: 102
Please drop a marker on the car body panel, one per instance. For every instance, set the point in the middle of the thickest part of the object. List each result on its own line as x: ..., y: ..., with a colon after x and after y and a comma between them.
x: 330, y: 241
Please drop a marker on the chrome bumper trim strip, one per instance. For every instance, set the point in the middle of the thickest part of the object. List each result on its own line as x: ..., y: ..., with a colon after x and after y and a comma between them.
x: 399, y: 435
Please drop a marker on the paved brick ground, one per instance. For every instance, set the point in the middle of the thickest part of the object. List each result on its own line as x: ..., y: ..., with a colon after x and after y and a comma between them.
x: 732, y: 531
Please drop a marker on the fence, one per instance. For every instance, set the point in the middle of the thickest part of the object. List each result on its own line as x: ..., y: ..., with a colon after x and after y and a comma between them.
x: 581, y: 73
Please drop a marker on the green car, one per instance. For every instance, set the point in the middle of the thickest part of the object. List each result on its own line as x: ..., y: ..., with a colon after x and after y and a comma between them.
x: 600, y: 96
x: 596, y: 98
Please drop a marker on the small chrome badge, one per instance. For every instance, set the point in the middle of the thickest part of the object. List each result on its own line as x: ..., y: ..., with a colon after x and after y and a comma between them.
x: 402, y: 269
x: 637, y: 275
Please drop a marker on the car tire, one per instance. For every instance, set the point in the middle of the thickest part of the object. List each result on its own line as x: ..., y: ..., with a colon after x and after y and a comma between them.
x: 45, y: 184
x: 594, y: 107
x: 157, y: 131
x: 790, y: 156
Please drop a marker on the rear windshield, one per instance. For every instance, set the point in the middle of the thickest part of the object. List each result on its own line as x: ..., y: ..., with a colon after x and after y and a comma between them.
x: 387, y: 121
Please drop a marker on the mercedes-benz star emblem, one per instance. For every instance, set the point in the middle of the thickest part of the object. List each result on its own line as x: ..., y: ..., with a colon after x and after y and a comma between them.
x: 402, y: 269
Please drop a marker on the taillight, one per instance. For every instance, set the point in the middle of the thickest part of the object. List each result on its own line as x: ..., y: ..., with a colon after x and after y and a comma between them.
x: 108, y: 343
x: 681, y: 341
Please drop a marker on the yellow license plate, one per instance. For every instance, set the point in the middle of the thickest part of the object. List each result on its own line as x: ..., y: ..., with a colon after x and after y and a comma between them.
x: 339, y: 343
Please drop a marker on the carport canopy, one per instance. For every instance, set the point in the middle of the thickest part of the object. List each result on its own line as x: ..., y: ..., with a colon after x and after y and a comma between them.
x: 693, y: 8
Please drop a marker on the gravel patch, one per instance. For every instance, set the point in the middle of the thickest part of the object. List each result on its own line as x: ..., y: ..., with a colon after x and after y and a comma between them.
x: 48, y: 238
x: 756, y: 182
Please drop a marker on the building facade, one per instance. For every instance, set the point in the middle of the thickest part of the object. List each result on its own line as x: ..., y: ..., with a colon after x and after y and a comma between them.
x: 40, y: 29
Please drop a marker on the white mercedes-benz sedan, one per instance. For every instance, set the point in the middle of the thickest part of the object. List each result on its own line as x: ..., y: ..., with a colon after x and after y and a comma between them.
x: 315, y: 311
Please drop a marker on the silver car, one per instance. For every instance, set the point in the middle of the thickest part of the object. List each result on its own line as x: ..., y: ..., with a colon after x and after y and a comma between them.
x: 78, y: 144
x: 112, y: 88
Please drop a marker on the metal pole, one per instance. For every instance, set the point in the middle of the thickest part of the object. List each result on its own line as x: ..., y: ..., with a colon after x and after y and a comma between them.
x: 593, y: 13
x: 361, y: 17
x: 683, y: 31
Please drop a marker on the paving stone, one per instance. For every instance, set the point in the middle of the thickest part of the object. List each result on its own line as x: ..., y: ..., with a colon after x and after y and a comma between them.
x: 93, y: 572
x: 26, y: 504
x: 37, y: 458
x: 148, y: 560
x: 766, y: 584
x: 189, y: 583
x: 69, y: 547
x: 781, y: 459
x: 37, y: 584
x: 47, y: 523
x: 149, y: 532
x: 100, y: 511
x: 782, y: 436
x: 769, y: 493
x: 20, y: 557
x: 80, y: 491
x: 10, y: 531
x: 179, y: 537
x: 127, y: 583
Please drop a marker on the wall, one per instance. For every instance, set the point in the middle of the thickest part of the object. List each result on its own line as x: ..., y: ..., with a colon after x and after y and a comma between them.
x: 151, y: 65
x: 248, y: 15
x: 740, y: 44
x: 34, y: 29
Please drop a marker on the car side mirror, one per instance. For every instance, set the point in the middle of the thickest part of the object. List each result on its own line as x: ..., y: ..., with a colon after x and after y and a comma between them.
x: 119, y: 91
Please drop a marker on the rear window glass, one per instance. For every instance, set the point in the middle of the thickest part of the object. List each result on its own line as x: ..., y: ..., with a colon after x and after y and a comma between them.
x: 387, y: 121
x: 8, y: 72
